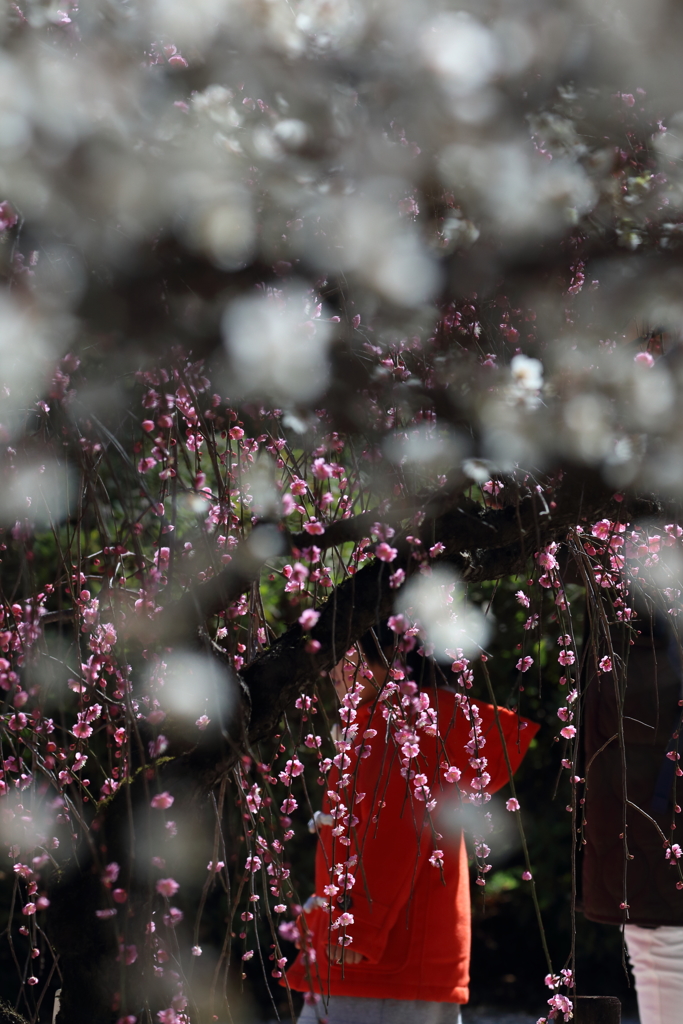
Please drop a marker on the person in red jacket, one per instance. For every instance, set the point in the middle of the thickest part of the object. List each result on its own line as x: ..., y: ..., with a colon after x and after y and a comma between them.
x: 386, y: 935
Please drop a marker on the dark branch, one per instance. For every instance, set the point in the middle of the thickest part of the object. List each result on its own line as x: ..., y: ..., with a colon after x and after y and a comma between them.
x: 483, y: 544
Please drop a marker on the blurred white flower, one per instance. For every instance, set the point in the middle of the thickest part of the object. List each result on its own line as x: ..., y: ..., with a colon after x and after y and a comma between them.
x: 527, y: 380
x: 425, y: 445
x: 26, y: 354
x: 366, y: 234
x: 462, y: 51
x: 278, y: 346
x: 521, y: 193
x: 193, y: 23
x: 192, y: 685
x: 330, y: 24
x: 438, y: 602
x: 41, y: 492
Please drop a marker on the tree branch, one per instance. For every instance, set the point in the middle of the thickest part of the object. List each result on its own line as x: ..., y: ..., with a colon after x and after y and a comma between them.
x: 483, y: 544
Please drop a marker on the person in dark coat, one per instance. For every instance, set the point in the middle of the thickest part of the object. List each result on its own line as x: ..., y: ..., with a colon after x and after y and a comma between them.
x: 631, y: 873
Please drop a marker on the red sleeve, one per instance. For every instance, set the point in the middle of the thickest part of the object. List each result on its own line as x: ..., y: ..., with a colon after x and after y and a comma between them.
x: 518, y: 733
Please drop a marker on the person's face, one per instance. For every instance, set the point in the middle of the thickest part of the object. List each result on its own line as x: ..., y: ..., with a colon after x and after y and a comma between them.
x: 345, y: 672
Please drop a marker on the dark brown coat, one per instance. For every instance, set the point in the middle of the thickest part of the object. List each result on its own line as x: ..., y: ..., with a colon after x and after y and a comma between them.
x: 651, y: 683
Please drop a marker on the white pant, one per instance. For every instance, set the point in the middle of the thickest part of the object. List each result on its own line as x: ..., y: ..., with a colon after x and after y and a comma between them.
x: 656, y: 956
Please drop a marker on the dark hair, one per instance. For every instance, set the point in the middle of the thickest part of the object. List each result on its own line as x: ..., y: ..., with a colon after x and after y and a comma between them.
x: 421, y: 670
x: 380, y: 634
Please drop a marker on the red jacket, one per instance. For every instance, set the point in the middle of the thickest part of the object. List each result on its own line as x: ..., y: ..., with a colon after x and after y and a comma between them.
x: 411, y: 918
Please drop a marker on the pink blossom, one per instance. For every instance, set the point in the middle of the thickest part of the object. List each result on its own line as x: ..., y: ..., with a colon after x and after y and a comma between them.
x: 397, y: 623
x: 436, y: 859
x: 526, y: 876
x: 298, y: 572
x: 168, y: 1016
x: 603, y: 529
x: 605, y: 664
x: 18, y: 722
x: 385, y: 552
x: 452, y: 774
x: 298, y: 486
x: 308, y: 618
x: 110, y: 873
x: 522, y: 598
x: 321, y: 470
x: 437, y: 549
x: 480, y: 782
x: 569, y: 732
x: 167, y: 887
x: 314, y: 527
x: 397, y: 578
x: 162, y: 801
x: 629, y: 99
x: 8, y: 218
x: 512, y: 804
x: 173, y: 917
x: 524, y: 664
x: 344, y: 920
x: 561, y: 1004
x: 80, y: 729
x: 158, y: 746
x: 566, y: 657
x: 202, y: 722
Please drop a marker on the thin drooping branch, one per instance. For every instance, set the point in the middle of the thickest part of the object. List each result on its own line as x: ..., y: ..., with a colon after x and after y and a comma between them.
x: 179, y: 621
x: 478, y: 542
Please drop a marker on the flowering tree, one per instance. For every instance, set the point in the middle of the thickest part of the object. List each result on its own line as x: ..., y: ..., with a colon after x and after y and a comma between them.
x: 312, y: 316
